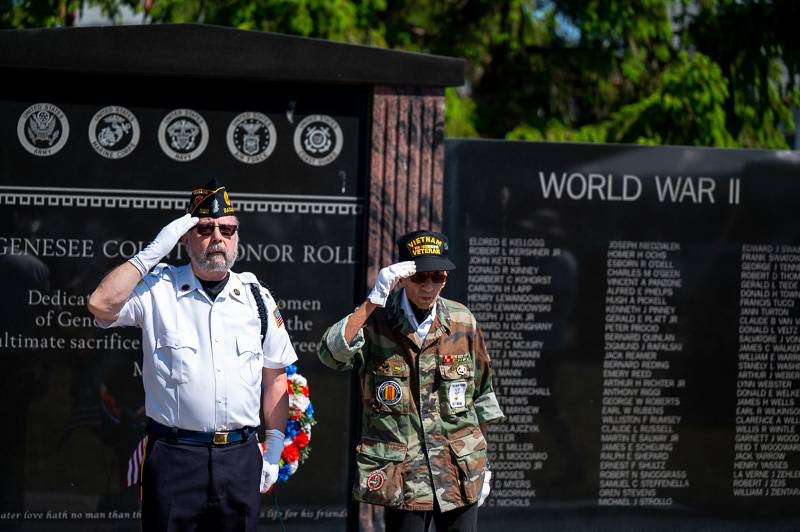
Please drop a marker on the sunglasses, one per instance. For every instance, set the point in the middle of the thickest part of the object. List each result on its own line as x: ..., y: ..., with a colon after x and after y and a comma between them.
x: 421, y: 277
x: 225, y: 230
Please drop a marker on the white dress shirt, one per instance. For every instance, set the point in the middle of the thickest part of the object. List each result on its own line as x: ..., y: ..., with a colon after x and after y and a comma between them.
x: 421, y: 329
x: 202, y: 359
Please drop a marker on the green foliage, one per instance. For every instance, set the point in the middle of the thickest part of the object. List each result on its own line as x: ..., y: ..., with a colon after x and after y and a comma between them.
x: 693, y: 72
x: 459, y: 115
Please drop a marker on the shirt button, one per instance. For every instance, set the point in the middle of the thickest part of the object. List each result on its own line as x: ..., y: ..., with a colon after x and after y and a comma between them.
x: 219, y: 370
x: 216, y: 340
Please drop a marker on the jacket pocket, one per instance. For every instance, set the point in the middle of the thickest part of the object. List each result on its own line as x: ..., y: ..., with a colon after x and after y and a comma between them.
x: 250, y: 359
x: 175, y: 354
x: 380, y: 472
x: 390, y: 386
x: 455, y: 391
x: 469, y: 452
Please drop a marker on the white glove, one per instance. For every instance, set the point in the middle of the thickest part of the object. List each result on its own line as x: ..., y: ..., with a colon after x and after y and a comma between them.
x: 272, y: 457
x: 487, y: 484
x: 163, y: 243
x: 387, y: 279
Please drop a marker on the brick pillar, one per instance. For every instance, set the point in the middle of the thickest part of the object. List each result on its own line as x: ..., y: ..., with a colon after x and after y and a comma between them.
x: 406, y: 169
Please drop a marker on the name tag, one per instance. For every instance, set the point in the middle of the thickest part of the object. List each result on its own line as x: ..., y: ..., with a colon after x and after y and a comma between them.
x: 458, y: 394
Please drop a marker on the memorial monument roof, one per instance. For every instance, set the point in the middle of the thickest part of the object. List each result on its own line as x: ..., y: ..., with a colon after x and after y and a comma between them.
x: 205, y: 51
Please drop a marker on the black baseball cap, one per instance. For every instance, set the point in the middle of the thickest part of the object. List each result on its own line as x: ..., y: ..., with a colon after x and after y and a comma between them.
x: 428, y: 249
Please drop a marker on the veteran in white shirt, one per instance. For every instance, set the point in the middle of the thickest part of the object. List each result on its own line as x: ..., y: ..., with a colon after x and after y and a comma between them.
x: 215, y: 349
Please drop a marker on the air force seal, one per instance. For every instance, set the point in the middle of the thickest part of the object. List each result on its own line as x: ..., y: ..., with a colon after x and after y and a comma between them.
x: 114, y: 132
x: 251, y: 137
x: 183, y: 135
x: 318, y: 140
x: 43, y: 129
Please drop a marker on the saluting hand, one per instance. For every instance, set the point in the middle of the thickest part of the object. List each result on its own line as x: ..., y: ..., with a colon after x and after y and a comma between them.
x: 388, y: 278
x: 163, y: 243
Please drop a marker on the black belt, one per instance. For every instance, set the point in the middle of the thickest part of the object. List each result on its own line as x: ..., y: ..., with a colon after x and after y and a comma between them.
x: 196, y: 437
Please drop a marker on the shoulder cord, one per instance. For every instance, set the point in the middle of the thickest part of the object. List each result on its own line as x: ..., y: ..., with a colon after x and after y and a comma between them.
x: 262, y: 310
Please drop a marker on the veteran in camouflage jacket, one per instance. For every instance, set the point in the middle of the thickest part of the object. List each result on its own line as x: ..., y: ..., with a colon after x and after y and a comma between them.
x: 423, y: 405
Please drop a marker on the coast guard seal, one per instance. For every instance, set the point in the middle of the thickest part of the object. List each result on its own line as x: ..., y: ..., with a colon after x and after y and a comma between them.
x: 318, y: 140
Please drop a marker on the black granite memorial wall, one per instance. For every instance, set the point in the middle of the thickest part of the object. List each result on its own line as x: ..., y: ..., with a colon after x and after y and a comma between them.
x: 641, y: 307
x: 103, y: 133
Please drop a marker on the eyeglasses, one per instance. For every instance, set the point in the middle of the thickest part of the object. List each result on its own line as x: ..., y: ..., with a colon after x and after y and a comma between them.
x: 422, y: 277
x: 225, y: 230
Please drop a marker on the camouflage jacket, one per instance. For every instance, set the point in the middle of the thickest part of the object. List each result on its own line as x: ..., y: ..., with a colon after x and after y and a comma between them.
x: 422, y: 405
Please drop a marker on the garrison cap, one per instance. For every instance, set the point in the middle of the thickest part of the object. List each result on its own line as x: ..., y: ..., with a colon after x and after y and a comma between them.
x: 211, y: 201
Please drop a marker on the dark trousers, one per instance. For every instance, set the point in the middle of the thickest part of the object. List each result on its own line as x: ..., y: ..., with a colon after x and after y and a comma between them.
x: 464, y: 519
x: 201, y: 488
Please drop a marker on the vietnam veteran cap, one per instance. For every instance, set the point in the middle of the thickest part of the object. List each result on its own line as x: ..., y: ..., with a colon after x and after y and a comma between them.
x: 211, y: 201
x: 427, y: 249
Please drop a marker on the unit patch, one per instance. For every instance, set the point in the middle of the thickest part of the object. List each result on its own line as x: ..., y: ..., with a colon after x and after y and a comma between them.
x: 376, y: 480
x: 458, y: 394
x: 390, y: 393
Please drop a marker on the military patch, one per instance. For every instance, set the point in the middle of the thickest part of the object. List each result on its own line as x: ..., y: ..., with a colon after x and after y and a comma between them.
x: 390, y: 393
x: 376, y: 480
x: 461, y: 369
x: 458, y: 394
x: 278, y: 318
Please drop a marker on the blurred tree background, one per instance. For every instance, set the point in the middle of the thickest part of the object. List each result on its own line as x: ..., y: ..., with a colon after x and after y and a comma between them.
x: 705, y: 73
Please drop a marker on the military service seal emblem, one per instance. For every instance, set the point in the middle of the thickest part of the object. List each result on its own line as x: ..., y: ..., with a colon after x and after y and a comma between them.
x: 183, y: 135
x: 43, y: 129
x: 114, y: 132
x: 251, y: 137
x: 318, y: 140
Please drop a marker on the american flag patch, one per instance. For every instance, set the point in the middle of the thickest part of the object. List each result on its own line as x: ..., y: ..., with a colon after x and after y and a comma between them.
x: 278, y: 317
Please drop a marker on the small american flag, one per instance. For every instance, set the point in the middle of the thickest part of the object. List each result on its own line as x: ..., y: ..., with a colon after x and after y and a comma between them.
x: 135, y: 464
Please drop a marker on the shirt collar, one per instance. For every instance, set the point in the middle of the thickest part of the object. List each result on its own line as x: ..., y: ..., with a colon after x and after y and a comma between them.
x: 186, y: 282
x: 236, y: 289
x: 398, y: 318
x: 405, y: 304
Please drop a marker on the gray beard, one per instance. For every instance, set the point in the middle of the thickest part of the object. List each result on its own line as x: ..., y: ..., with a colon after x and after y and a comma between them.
x: 211, y: 262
